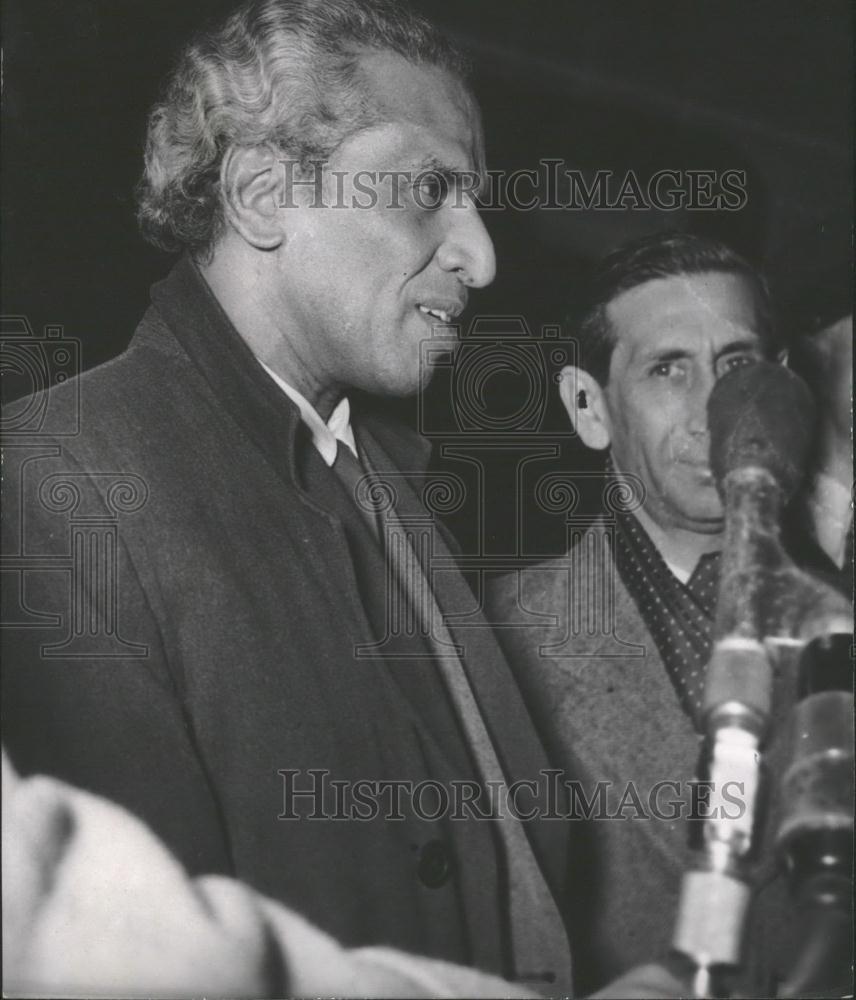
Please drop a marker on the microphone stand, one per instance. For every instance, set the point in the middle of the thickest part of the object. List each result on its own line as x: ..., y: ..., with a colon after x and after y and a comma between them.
x: 815, y: 834
x: 764, y: 601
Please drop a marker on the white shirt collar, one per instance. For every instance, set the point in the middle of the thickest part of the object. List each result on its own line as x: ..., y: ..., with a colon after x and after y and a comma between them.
x: 324, y: 436
x: 682, y: 574
x: 831, y: 507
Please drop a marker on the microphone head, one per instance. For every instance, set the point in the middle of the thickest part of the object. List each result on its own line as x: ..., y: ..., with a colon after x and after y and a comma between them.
x: 761, y: 415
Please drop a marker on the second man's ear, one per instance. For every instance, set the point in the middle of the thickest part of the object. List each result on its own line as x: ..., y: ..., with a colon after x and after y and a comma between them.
x: 584, y: 401
x: 250, y: 179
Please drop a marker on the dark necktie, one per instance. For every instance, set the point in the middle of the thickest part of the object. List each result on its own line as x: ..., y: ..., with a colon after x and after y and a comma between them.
x: 538, y: 940
x: 358, y: 484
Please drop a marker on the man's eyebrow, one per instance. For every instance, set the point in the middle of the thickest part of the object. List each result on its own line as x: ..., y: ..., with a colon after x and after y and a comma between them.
x: 435, y: 165
x: 661, y: 354
x: 746, y: 344
x: 741, y: 345
x: 452, y: 175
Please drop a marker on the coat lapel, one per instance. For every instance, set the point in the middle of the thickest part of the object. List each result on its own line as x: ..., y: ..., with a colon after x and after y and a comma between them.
x: 505, y: 715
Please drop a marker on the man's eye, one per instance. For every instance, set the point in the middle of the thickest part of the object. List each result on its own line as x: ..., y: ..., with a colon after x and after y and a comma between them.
x: 430, y: 190
x: 736, y: 361
x: 666, y: 369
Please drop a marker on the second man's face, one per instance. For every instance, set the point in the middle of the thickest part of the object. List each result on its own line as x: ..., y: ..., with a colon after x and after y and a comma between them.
x: 675, y: 337
x: 366, y: 281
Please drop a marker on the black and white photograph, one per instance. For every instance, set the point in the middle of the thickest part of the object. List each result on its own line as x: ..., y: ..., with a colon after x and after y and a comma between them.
x: 427, y: 513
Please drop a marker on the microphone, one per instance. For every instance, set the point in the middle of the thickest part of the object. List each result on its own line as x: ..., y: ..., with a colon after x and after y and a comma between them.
x: 761, y: 420
x: 761, y: 416
x: 814, y: 839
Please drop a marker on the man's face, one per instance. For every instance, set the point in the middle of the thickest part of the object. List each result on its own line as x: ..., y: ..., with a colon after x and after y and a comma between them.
x: 357, y: 281
x: 675, y: 337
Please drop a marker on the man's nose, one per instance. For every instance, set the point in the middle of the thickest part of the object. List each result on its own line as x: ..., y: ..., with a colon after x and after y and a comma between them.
x: 698, y: 402
x: 467, y: 248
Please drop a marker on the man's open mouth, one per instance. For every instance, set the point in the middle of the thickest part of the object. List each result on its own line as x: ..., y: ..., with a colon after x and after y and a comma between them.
x: 439, y: 314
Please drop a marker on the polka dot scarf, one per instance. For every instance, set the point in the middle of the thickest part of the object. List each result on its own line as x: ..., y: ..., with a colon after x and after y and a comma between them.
x: 678, y: 616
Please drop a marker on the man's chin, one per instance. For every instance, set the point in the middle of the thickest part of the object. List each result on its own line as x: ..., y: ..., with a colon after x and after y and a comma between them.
x: 400, y: 385
x: 703, y: 512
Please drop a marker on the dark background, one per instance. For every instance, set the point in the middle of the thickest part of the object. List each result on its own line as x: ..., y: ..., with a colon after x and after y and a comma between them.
x: 760, y: 86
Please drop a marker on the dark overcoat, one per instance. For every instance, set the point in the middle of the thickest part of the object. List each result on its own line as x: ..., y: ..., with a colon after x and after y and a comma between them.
x: 185, y: 587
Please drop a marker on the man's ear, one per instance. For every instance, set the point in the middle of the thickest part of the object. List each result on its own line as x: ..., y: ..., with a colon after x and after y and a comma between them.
x: 250, y: 179
x: 584, y: 400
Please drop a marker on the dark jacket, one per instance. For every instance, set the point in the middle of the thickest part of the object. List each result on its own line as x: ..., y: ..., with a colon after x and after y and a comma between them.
x: 242, y: 584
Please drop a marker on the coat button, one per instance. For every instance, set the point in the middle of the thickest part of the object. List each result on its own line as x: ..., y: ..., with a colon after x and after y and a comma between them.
x: 435, y: 864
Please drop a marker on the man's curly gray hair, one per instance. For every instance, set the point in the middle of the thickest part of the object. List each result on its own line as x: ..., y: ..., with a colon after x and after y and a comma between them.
x: 278, y: 72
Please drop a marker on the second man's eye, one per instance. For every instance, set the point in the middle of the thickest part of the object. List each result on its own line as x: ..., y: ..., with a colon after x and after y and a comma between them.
x: 733, y: 361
